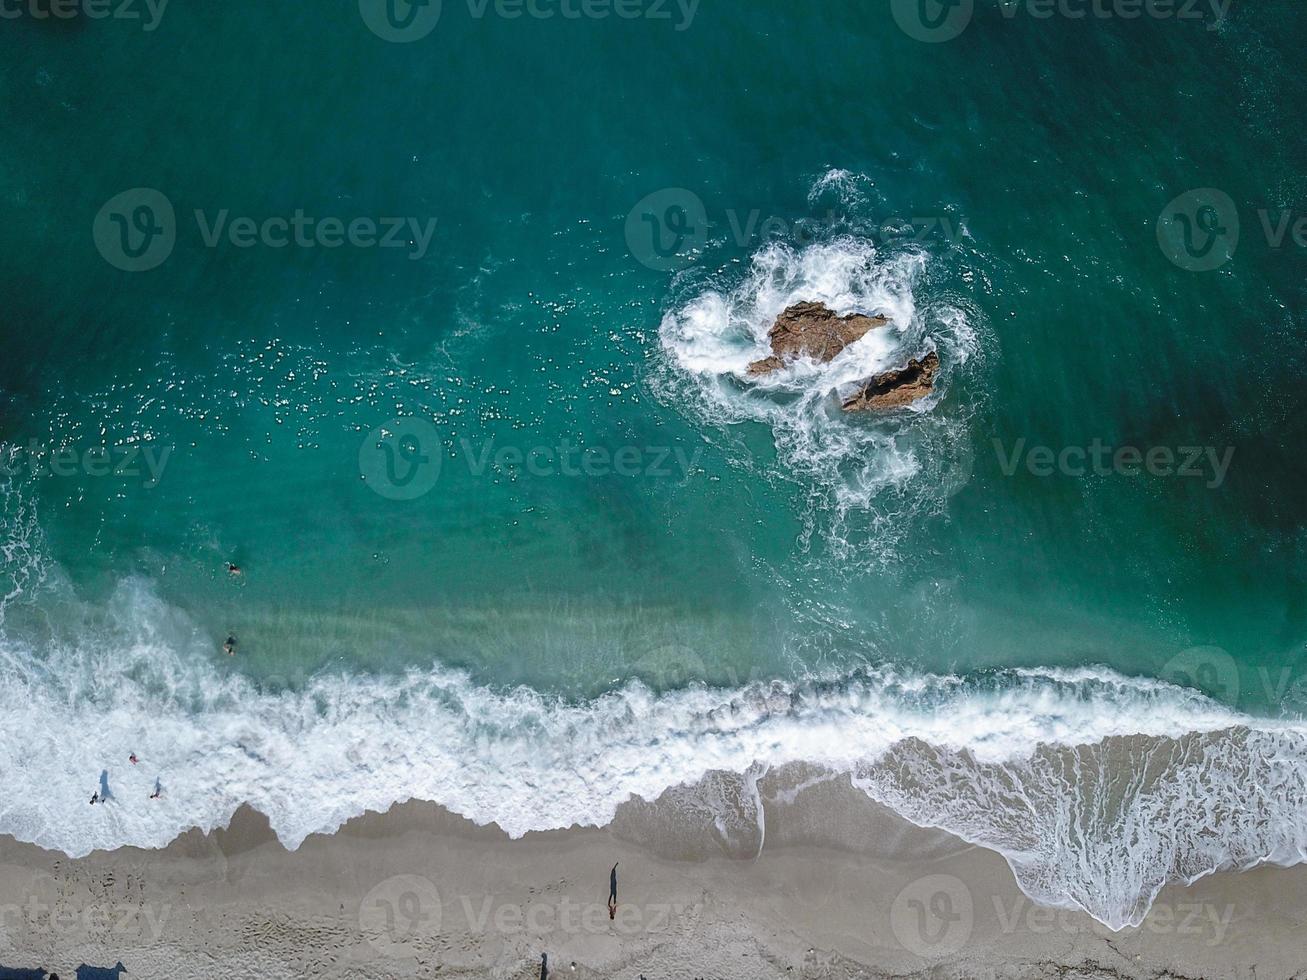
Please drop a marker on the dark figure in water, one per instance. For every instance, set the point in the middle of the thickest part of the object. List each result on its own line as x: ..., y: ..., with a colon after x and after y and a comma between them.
x: 234, y: 571
x: 95, y: 798
x: 230, y: 646
x: 612, y: 892
x: 158, y: 790
x: 544, y: 966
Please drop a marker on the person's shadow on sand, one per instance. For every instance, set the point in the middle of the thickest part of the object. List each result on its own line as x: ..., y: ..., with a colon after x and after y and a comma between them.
x: 85, y: 972
x: 20, y: 973
x: 104, y: 786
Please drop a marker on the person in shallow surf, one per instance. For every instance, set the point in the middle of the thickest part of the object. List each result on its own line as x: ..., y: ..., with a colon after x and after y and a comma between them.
x: 612, y: 892
x: 158, y: 790
x: 234, y: 570
x: 95, y: 798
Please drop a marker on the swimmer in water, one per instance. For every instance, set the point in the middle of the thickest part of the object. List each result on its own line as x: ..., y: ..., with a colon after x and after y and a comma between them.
x: 230, y: 646
x: 132, y: 758
x: 234, y: 570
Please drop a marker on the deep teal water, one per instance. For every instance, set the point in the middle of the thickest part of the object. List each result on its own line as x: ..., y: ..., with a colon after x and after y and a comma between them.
x: 1055, y: 144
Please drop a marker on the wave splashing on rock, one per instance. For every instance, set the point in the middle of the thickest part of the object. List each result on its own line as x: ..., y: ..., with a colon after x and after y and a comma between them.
x: 733, y: 356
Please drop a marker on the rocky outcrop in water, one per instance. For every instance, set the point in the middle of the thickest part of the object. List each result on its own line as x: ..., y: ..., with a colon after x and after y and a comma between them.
x: 812, y: 330
x: 893, y: 389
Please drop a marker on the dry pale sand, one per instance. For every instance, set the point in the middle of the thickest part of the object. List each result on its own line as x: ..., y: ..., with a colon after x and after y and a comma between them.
x: 840, y: 888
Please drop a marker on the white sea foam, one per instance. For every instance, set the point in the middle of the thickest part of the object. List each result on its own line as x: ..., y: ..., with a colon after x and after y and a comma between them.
x: 1102, y: 826
x: 23, y: 560
x: 845, y: 186
x: 984, y: 758
x: 887, y: 470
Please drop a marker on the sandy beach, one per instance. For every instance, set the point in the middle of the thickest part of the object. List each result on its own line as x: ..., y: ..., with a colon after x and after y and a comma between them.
x: 840, y: 887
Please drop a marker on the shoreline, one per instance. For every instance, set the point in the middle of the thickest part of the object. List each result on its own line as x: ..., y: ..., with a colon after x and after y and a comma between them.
x: 827, y: 883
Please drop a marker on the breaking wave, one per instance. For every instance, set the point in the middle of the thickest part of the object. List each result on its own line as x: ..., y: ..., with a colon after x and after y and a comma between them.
x: 1097, y: 788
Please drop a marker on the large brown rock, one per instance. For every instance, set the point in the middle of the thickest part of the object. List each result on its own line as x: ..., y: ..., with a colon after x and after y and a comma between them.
x: 812, y: 330
x: 893, y: 389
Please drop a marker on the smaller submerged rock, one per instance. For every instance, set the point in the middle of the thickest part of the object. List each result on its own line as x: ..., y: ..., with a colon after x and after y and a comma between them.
x: 893, y: 389
x: 812, y: 330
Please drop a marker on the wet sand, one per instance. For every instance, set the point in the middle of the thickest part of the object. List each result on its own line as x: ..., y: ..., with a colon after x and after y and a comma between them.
x: 835, y: 886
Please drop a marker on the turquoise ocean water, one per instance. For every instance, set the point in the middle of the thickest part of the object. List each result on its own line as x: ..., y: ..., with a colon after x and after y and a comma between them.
x: 596, y: 220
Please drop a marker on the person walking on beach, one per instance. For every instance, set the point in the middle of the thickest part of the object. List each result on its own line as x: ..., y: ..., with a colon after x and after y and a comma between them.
x: 612, y: 892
